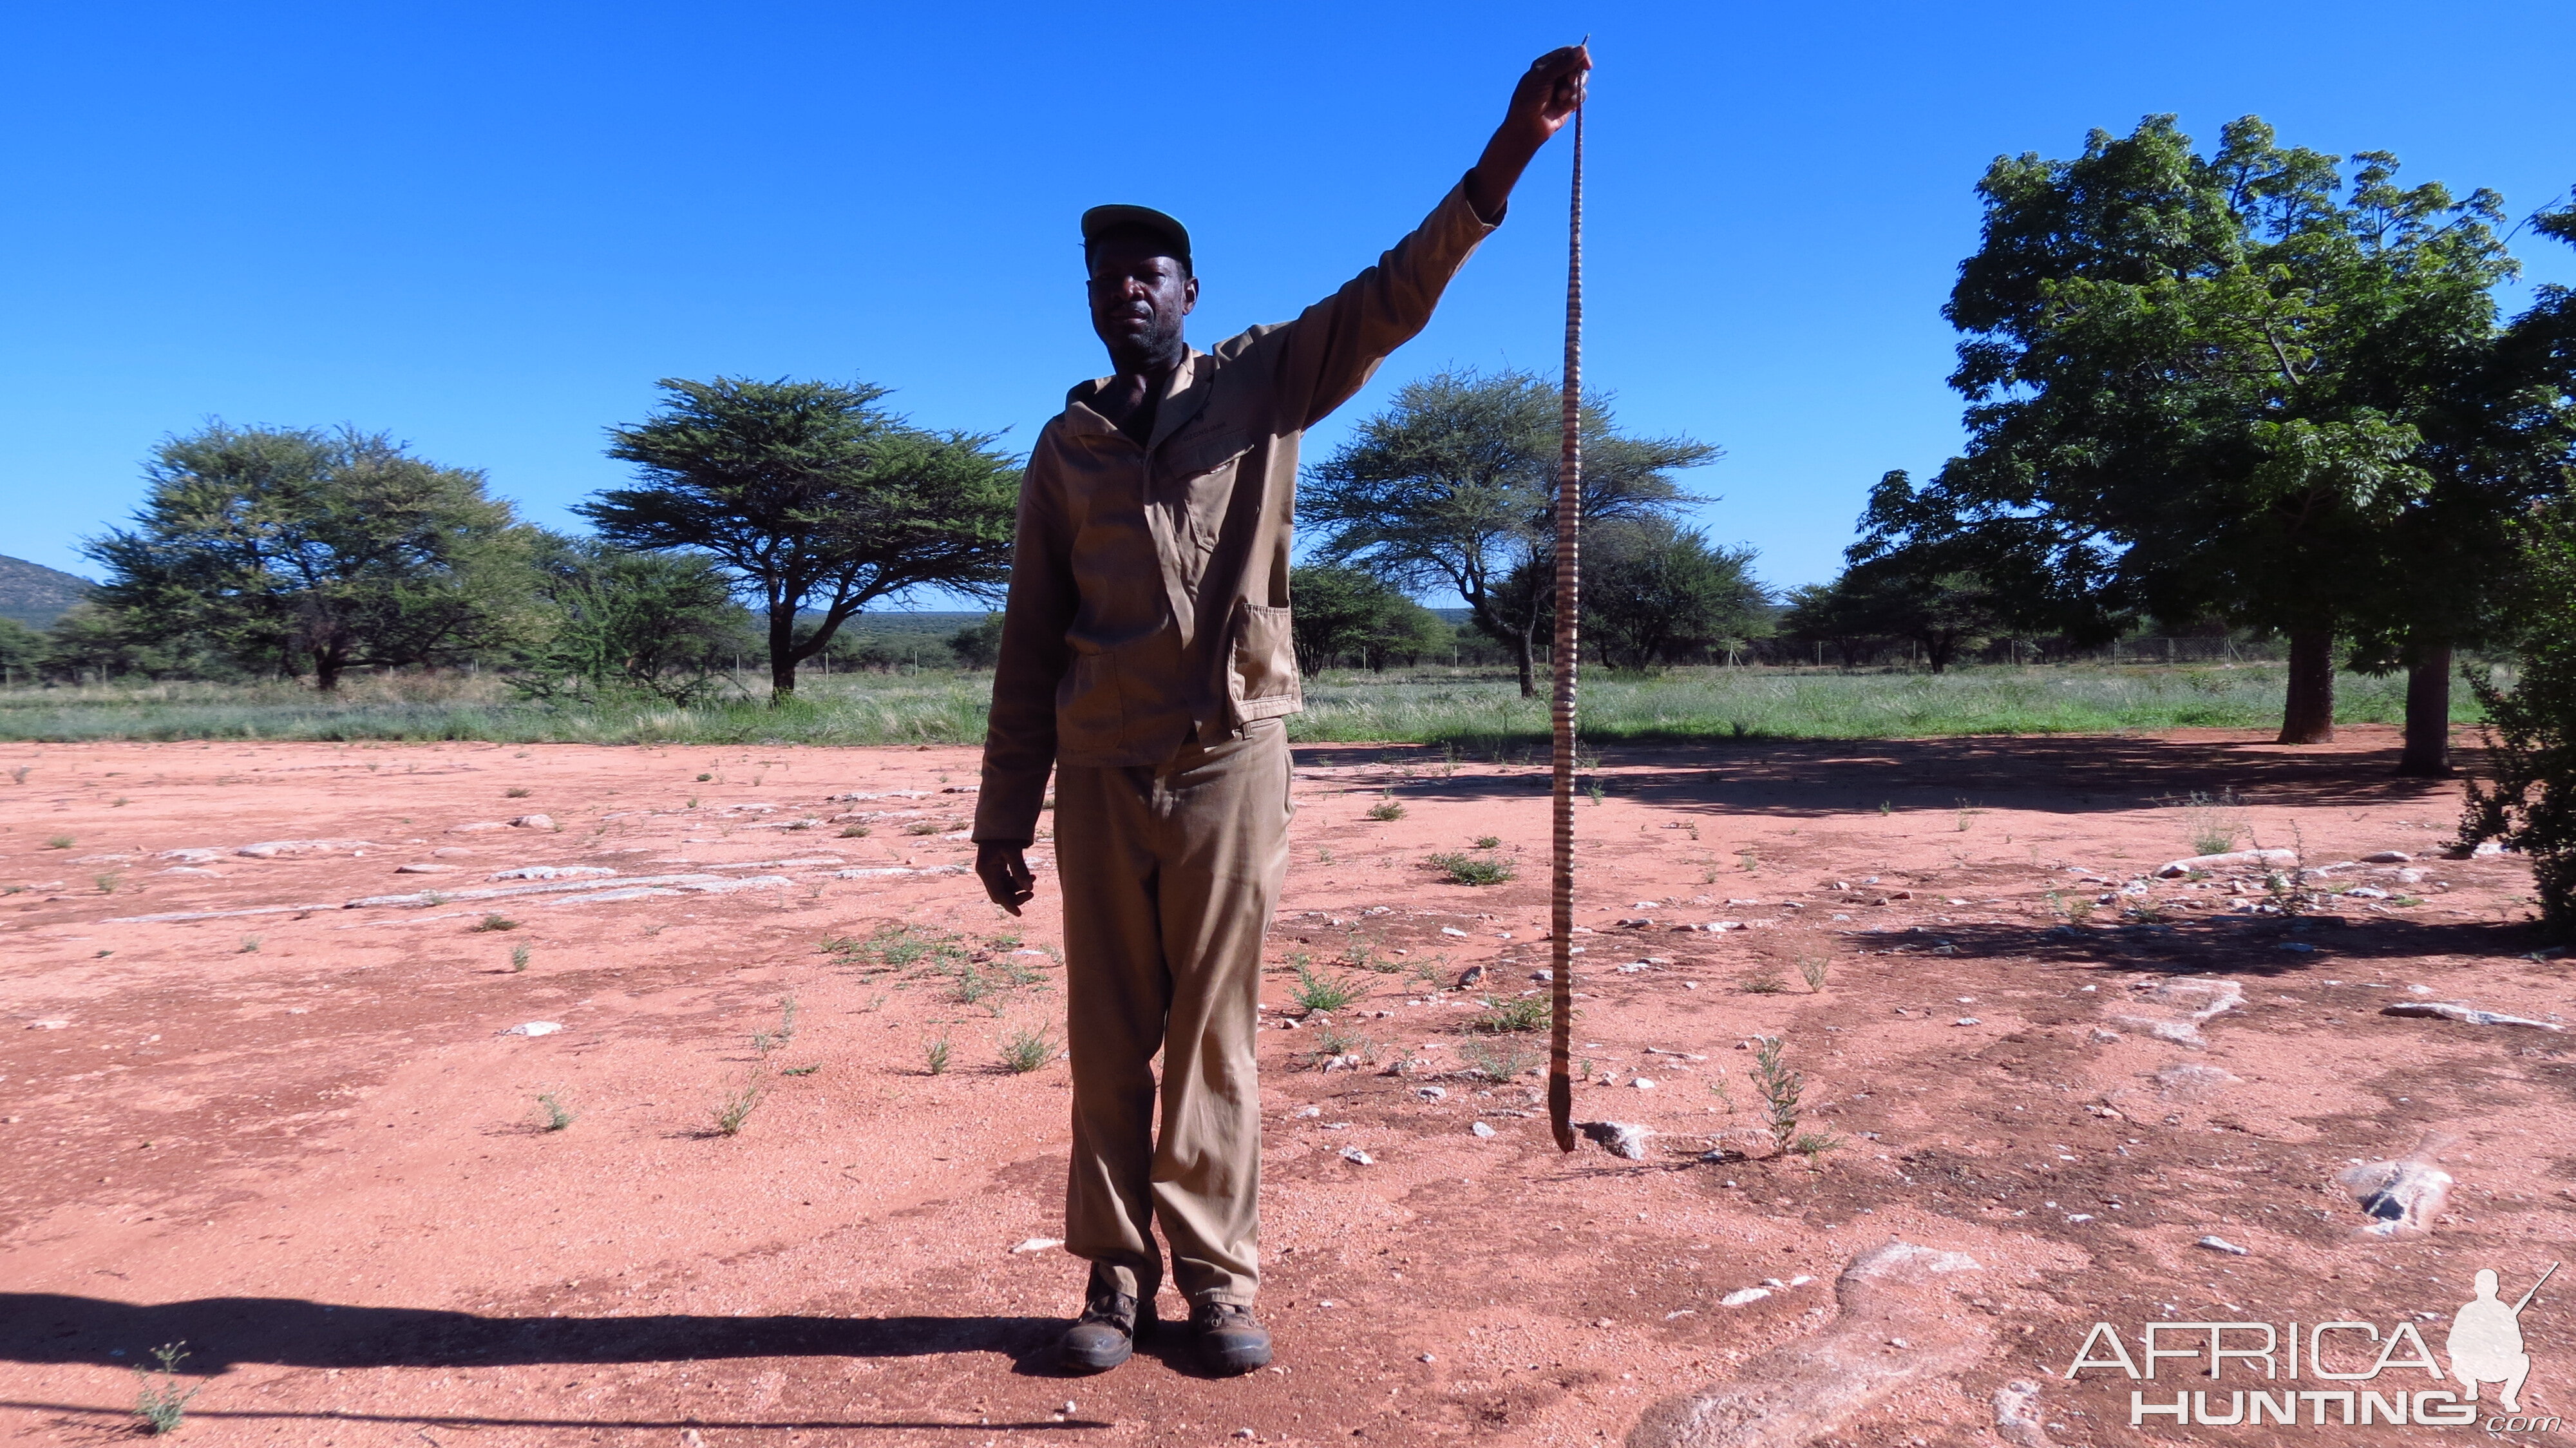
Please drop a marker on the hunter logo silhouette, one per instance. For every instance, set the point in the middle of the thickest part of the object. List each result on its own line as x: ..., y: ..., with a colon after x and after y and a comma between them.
x: 2486, y: 1340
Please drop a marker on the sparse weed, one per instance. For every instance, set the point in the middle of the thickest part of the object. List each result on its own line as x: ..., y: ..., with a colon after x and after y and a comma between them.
x: 517, y: 792
x: 1324, y: 855
x: 1489, y: 842
x: 1765, y: 979
x: 807, y: 1069
x: 1498, y: 1058
x: 2214, y: 825
x: 518, y: 959
x: 1026, y: 1051
x: 1331, y: 1041
x: 1594, y: 788
x: 557, y: 1115
x: 250, y: 944
x: 1749, y: 859
x: 1718, y: 1088
x: 1813, y: 1144
x: 18, y: 775
x: 108, y: 882
x: 1780, y: 1088
x: 60, y: 842
x: 161, y: 1405
x: 1322, y: 994
x: 496, y: 922
x: 736, y: 1106
x: 1485, y: 869
x: 855, y: 832
x: 934, y: 1056
x: 1812, y: 969
x: 923, y: 827
x: 1388, y: 808
x: 765, y: 1042
x: 1886, y: 807
x: 1503, y: 1017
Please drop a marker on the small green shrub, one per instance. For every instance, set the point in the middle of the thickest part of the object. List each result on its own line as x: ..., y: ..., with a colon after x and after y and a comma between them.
x: 518, y: 959
x: 555, y: 1115
x: 1489, y: 842
x: 1499, y: 1058
x: 59, y: 842
x: 1812, y: 969
x: 1323, y: 993
x: 496, y: 922
x: 1505, y: 1017
x: 855, y: 832
x: 935, y: 1056
x: 250, y: 944
x: 517, y: 792
x: 1026, y: 1051
x: 1486, y: 869
x: 2531, y: 736
x: 1765, y: 979
x: 1389, y: 808
x: 1780, y: 1088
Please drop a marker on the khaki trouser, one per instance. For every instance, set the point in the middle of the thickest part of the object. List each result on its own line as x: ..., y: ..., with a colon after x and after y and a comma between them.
x: 1170, y: 874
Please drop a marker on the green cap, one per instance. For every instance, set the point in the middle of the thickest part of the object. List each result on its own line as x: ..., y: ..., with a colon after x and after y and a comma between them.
x: 1100, y: 220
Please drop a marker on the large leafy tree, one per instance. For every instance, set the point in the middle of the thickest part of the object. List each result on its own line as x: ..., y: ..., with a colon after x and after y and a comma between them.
x: 295, y: 548
x: 1449, y: 488
x: 1342, y: 612
x: 1654, y: 592
x: 814, y: 499
x: 2225, y: 386
x: 615, y: 621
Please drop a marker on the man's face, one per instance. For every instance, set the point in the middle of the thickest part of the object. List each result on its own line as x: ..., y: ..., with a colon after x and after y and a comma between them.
x: 1139, y: 294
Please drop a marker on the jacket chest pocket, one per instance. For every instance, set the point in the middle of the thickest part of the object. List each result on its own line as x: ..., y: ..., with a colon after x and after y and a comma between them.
x: 1196, y: 477
x: 1261, y: 676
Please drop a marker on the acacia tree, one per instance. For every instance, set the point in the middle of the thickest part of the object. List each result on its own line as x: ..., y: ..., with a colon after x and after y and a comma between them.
x: 284, y: 546
x: 1451, y: 488
x: 813, y: 498
x: 2205, y: 387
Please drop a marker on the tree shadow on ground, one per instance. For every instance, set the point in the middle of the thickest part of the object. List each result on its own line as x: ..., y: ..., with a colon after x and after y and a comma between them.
x: 2061, y: 774
x: 221, y: 1332
x: 2256, y: 945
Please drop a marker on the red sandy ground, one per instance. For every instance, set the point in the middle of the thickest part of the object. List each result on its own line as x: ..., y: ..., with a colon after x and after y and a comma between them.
x: 317, y: 1161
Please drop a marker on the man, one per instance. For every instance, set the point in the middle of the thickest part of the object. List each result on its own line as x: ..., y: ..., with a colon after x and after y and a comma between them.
x: 1146, y: 659
x: 2486, y: 1342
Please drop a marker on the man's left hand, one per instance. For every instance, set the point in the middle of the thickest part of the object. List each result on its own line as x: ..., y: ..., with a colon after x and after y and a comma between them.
x: 1544, y: 97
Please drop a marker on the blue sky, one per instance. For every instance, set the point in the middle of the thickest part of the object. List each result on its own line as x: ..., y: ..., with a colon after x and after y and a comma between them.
x: 488, y: 229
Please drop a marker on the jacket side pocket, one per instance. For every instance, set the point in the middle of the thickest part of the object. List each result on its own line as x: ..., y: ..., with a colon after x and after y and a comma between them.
x: 1262, y: 682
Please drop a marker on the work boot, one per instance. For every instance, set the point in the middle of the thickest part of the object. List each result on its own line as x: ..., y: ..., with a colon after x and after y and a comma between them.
x: 1103, y: 1336
x: 1230, y: 1340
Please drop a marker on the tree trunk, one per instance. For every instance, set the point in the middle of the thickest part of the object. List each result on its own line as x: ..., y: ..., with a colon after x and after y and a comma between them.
x: 2428, y: 712
x: 2307, y: 714
x: 1527, y: 656
x: 782, y: 655
x: 326, y: 671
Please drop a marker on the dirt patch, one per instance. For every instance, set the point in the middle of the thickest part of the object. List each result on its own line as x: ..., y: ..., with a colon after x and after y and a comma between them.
x: 243, y: 1111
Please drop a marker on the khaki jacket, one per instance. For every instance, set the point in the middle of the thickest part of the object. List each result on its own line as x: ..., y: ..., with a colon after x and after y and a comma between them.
x: 1149, y: 586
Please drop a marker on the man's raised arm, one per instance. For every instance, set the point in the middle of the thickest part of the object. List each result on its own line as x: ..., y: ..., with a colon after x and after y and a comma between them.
x: 1329, y: 351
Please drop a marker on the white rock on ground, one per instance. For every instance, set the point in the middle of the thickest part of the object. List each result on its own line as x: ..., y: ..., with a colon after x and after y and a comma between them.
x: 1813, y: 1386
x: 2232, y: 860
x: 1619, y: 1138
x: 2465, y: 1014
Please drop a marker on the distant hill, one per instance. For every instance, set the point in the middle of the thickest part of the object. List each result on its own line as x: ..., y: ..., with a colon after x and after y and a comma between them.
x: 36, y: 595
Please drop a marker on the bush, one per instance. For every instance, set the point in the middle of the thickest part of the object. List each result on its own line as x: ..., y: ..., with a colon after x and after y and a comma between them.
x: 2531, y: 734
